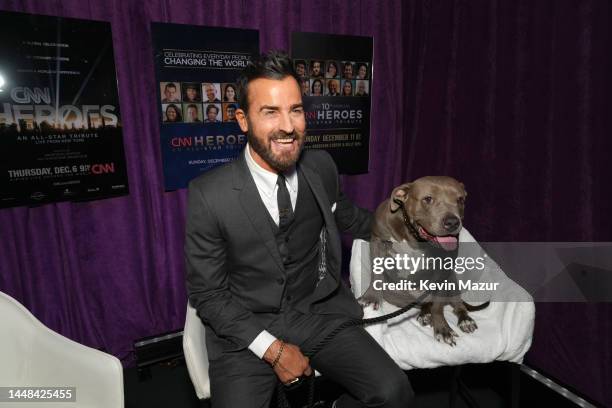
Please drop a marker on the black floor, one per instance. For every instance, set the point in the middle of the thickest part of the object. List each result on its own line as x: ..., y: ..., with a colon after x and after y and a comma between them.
x: 490, y: 385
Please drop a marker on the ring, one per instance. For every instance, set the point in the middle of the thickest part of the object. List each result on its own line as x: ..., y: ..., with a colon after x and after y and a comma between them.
x: 293, y: 381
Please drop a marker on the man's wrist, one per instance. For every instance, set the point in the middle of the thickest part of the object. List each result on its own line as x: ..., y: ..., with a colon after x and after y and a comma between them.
x: 273, y: 351
x: 279, y: 353
x: 261, y: 343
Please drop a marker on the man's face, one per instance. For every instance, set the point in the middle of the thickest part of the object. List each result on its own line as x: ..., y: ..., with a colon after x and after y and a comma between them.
x: 361, y: 88
x: 316, y: 68
x: 192, y: 113
x: 305, y: 87
x: 212, y: 114
x: 275, y: 123
x: 348, y: 71
x: 300, y: 69
x: 170, y: 93
x: 333, y: 87
x: 191, y: 94
x: 231, y: 113
x: 210, y: 92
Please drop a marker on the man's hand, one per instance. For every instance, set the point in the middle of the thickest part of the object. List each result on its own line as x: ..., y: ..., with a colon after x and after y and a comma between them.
x: 292, y: 363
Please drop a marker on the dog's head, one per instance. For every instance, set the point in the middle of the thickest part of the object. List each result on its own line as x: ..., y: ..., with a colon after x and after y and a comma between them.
x: 435, y: 206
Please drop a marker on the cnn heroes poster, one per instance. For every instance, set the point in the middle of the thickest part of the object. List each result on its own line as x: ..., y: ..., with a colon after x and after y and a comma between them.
x: 60, y: 127
x: 196, y: 70
x: 336, y: 81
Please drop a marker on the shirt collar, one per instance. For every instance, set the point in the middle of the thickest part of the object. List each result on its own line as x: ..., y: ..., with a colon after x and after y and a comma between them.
x: 266, y: 180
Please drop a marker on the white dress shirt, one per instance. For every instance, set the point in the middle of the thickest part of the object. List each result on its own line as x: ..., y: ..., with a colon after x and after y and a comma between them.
x: 266, y: 186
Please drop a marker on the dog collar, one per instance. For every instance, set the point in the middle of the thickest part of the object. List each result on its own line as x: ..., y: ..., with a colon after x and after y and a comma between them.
x: 407, y: 222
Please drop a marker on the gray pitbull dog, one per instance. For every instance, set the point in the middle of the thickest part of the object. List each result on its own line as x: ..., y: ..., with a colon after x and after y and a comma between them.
x: 425, y: 213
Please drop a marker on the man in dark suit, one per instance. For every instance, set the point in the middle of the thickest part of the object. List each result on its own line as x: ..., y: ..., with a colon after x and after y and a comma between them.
x: 263, y: 259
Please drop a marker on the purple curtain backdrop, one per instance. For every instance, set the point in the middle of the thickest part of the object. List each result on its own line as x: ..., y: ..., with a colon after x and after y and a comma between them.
x: 512, y: 97
x: 508, y: 96
x: 107, y: 272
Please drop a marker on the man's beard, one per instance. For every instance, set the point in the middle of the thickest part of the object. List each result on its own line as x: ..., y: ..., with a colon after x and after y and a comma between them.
x: 263, y: 148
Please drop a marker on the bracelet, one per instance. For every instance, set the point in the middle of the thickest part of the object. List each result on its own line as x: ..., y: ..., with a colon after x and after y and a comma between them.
x: 278, y: 356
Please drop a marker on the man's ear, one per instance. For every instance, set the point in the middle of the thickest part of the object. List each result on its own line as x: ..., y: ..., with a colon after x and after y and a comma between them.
x: 399, y: 195
x: 242, y: 120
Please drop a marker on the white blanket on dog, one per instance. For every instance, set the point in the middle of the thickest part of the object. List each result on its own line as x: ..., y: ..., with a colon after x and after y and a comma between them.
x: 505, y: 327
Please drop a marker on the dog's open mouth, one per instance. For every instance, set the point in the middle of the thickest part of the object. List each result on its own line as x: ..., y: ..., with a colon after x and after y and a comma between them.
x: 447, y: 242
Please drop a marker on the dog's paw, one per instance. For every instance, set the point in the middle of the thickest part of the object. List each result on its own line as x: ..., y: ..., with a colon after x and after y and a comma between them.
x: 371, y: 297
x: 365, y: 302
x: 446, y: 335
x: 468, y: 325
x: 424, y: 319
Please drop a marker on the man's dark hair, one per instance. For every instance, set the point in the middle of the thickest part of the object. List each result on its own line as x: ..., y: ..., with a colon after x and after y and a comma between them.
x: 273, y: 65
x: 170, y: 85
x: 209, y: 107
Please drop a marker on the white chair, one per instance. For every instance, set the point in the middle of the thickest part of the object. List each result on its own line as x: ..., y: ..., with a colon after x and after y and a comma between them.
x: 196, y: 355
x: 32, y: 355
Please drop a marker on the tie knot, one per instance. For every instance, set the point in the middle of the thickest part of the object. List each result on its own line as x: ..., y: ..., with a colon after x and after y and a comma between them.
x: 281, y: 179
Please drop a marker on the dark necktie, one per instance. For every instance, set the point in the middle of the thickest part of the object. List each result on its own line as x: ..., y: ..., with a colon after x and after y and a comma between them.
x: 285, y: 211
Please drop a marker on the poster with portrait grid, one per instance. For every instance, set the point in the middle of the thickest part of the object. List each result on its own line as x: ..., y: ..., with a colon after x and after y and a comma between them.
x: 336, y: 81
x: 196, y: 70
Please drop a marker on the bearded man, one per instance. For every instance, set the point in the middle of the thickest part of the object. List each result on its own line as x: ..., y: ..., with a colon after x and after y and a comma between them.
x: 263, y: 259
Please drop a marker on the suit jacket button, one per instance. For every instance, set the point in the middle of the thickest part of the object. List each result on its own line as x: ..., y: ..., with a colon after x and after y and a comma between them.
x: 280, y: 281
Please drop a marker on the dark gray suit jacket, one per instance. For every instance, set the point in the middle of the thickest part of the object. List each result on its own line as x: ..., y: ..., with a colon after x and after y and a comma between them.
x: 235, y: 275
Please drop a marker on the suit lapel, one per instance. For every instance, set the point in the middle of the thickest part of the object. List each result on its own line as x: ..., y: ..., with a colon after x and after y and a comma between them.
x: 316, y: 185
x: 254, y: 208
x: 333, y: 244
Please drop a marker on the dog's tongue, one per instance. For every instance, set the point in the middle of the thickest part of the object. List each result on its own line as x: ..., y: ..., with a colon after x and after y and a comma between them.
x: 449, y: 243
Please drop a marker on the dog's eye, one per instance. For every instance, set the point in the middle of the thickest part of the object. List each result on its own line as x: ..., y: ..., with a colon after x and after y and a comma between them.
x: 461, y: 200
x: 427, y: 200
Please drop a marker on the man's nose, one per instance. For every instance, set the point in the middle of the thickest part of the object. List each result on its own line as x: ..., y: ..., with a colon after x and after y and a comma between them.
x: 286, y: 123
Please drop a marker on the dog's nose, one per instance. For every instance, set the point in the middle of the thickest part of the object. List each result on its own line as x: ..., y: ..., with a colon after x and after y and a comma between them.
x: 451, y: 223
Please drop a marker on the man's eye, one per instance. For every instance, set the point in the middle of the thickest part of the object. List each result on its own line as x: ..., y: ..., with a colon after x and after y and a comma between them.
x: 298, y: 110
x: 269, y: 113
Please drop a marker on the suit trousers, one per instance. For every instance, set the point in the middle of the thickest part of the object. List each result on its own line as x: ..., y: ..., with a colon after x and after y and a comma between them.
x: 352, y: 359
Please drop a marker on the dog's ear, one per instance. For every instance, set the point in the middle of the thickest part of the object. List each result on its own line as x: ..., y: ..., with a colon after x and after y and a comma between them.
x: 399, y: 194
x: 464, y: 190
